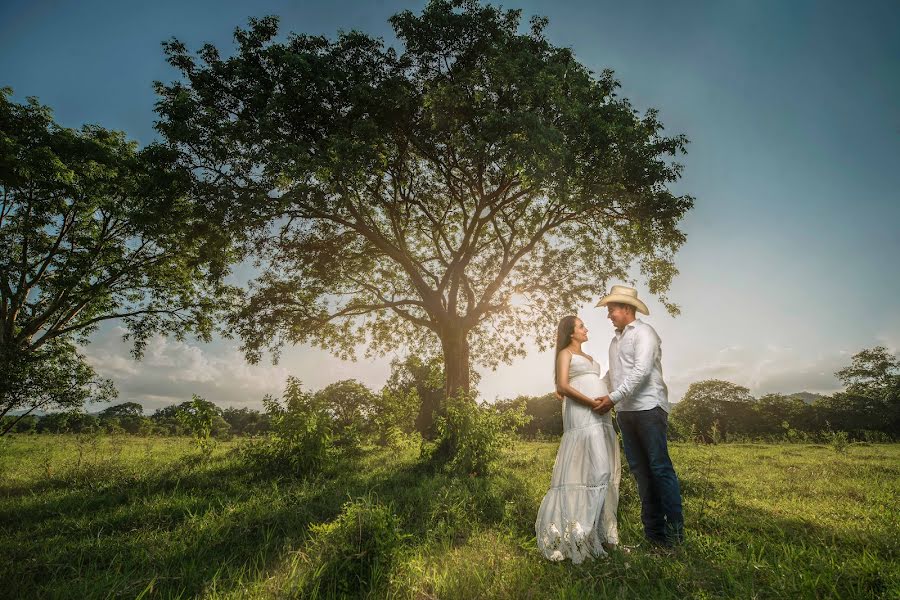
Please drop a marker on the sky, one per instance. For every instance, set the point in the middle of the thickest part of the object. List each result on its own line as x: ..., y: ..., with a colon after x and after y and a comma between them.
x: 792, y: 109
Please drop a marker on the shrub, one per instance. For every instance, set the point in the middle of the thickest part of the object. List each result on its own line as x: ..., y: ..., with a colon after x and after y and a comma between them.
x: 394, y: 417
x: 874, y: 437
x: 300, y: 439
x: 198, y: 417
x: 355, y: 551
x: 838, y: 440
x: 470, y: 438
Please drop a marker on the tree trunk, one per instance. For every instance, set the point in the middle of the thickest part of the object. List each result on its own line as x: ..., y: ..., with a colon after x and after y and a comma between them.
x: 456, y: 361
x: 455, y: 346
x: 430, y: 405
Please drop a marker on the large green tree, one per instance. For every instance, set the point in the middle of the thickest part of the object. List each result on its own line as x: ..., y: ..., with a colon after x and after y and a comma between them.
x: 872, y: 397
x: 872, y: 372
x: 91, y: 229
x: 456, y: 193
x: 726, y: 405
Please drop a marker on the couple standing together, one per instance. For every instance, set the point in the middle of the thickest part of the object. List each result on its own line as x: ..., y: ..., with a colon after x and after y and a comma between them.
x: 577, y: 517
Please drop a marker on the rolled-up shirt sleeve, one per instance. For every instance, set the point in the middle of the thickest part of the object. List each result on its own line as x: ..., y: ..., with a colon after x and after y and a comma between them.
x: 644, y: 355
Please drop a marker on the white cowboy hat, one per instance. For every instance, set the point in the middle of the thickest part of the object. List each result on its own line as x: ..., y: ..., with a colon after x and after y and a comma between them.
x: 624, y: 295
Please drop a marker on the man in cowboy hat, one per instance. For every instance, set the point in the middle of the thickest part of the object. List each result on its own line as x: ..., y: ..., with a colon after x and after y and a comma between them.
x: 640, y: 397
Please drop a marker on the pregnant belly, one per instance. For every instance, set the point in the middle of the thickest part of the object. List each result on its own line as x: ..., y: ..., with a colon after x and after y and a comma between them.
x: 578, y: 415
x: 589, y: 384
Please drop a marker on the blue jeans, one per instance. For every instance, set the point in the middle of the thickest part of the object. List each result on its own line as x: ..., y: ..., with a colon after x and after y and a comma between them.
x: 644, y: 438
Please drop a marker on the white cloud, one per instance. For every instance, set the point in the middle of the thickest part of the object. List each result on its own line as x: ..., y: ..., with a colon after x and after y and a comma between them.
x: 766, y: 369
x: 171, y: 371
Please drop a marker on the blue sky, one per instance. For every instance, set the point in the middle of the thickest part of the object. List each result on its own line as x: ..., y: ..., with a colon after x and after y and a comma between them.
x: 792, y: 109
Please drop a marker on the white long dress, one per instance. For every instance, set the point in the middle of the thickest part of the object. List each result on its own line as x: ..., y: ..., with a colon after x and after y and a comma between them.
x: 578, y: 513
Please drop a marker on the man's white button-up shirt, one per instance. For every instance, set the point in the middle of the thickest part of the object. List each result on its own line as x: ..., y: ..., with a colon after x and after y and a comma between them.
x: 635, y: 375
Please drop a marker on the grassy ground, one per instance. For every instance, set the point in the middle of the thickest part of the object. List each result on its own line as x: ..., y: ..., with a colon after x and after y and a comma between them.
x: 99, y: 517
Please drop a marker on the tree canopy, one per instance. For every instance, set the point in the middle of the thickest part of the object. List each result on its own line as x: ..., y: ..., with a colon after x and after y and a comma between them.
x: 872, y: 372
x: 459, y: 192
x: 714, y: 401
x: 91, y: 229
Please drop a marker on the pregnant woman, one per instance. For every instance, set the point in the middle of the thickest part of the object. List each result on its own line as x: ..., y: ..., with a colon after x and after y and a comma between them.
x: 577, y: 517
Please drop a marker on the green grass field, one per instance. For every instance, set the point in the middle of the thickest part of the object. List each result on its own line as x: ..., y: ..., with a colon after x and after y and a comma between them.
x: 101, y: 517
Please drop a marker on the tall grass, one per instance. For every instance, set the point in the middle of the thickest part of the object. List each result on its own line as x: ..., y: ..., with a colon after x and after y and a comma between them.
x: 101, y: 516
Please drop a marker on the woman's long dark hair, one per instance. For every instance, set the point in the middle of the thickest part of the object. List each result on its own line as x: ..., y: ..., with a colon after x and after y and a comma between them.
x: 564, y: 332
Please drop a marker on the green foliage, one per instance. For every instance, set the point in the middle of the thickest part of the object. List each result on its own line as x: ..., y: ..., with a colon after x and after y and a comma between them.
x: 68, y: 422
x: 424, y: 194
x: 470, y: 438
x: 54, y: 376
x: 544, y: 415
x: 301, y: 436
x: 714, y: 404
x: 773, y: 410
x: 421, y: 381
x: 92, y: 229
x: 872, y: 372
x: 838, y: 440
x: 872, y: 398
x: 350, y: 405
x: 127, y: 417
x: 394, y: 418
x: 175, y: 419
x: 19, y: 424
x: 245, y: 421
x: 198, y: 417
x: 355, y: 551
x: 134, y: 425
x: 870, y: 406
x: 126, y: 409
x: 792, y: 435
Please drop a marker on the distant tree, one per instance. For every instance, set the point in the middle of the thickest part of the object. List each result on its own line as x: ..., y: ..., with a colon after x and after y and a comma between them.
x: 80, y: 422
x: 545, y: 414
x: 191, y: 417
x: 872, y: 398
x: 136, y: 424
x: 91, y: 229
x: 54, y: 422
x: 457, y: 195
x: 19, y: 424
x: 68, y: 422
x: 728, y: 405
x: 351, y: 406
x: 198, y: 417
x: 126, y: 409
x: 872, y: 372
x: 774, y: 410
x: 857, y: 413
x: 246, y: 421
x: 165, y: 421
